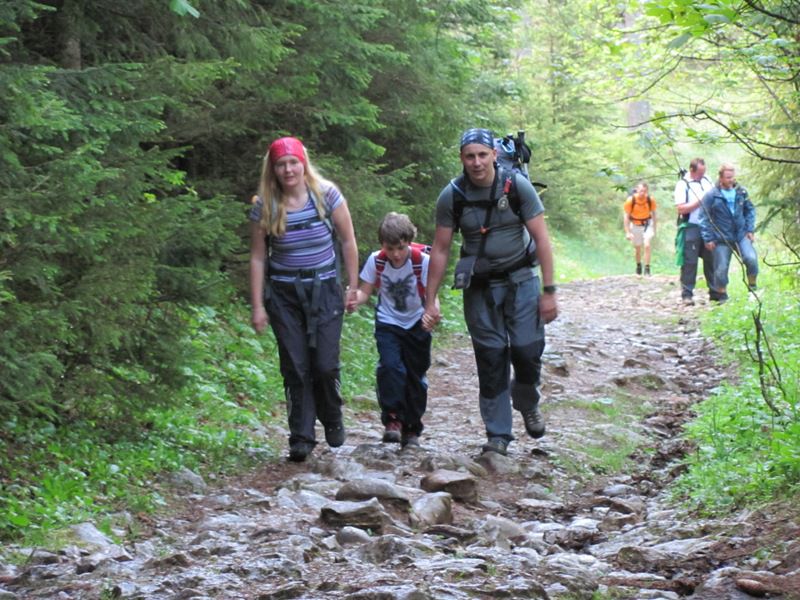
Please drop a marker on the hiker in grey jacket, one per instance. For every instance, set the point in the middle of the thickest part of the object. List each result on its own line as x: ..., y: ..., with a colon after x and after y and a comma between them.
x: 506, y: 306
x: 727, y: 225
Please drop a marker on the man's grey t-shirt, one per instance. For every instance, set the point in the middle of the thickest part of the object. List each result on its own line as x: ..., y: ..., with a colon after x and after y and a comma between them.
x: 508, y: 238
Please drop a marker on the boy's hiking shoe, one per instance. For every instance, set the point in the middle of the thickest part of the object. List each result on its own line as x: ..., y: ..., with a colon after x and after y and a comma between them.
x: 335, y: 434
x: 534, y: 422
x: 393, y: 433
x: 498, y: 445
x: 638, y: 268
x: 647, y: 269
x: 299, y: 451
x: 409, y: 439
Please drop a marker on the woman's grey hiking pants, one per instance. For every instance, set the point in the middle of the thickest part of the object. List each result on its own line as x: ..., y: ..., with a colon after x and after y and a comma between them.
x: 311, y: 372
x: 503, y: 320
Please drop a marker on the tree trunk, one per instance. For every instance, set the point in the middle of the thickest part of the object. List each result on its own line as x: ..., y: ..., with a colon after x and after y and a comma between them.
x: 68, y: 21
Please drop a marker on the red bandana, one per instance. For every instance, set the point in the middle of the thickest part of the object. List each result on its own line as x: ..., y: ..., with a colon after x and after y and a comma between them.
x: 285, y: 146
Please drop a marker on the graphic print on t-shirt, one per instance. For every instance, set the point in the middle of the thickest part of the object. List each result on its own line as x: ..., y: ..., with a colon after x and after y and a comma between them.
x: 399, y: 290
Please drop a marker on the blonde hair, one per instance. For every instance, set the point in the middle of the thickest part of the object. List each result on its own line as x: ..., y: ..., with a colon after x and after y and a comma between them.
x: 726, y: 167
x: 271, y: 194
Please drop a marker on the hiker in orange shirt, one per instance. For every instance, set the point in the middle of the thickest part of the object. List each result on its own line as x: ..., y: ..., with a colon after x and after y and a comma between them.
x: 639, y: 222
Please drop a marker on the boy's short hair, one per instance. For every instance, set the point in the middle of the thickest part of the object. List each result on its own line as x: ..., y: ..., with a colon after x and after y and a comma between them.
x: 396, y: 228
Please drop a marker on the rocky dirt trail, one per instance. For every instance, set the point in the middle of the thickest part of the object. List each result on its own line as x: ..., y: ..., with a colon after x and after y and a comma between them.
x: 580, y: 514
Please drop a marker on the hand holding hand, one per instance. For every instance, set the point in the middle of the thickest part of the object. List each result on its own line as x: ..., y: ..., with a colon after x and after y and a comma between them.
x: 352, y: 297
x: 431, y: 317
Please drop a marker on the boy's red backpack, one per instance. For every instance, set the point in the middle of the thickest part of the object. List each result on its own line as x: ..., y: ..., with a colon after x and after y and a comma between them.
x: 417, y: 250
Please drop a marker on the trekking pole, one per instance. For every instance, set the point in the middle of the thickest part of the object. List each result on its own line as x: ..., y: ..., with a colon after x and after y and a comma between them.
x: 520, y: 143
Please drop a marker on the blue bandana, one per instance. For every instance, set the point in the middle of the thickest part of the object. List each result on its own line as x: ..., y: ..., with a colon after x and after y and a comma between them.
x: 477, y: 135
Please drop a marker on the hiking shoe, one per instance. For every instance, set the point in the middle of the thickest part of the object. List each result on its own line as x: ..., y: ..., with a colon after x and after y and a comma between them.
x: 409, y: 439
x: 299, y: 451
x: 393, y: 433
x: 638, y: 268
x: 498, y: 445
x: 647, y: 269
x: 335, y: 434
x: 687, y: 301
x: 534, y: 422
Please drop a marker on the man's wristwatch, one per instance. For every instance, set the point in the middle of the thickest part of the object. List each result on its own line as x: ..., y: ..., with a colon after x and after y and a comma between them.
x: 549, y: 289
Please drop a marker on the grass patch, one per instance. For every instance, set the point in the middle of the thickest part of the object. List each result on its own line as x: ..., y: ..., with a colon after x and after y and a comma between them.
x: 575, y: 259
x: 748, y: 453
x: 608, y: 442
x: 54, y: 476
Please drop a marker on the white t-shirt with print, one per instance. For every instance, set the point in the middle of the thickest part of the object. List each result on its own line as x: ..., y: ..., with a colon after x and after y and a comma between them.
x: 399, y: 302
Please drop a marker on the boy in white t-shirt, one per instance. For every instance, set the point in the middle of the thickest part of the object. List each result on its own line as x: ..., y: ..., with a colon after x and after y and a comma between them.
x: 398, y: 272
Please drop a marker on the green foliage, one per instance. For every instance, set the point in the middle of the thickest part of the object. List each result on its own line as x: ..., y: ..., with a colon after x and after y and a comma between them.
x: 52, y: 476
x: 748, y: 55
x: 746, y: 452
x: 101, y: 241
x: 563, y: 87
x: 117, y: 171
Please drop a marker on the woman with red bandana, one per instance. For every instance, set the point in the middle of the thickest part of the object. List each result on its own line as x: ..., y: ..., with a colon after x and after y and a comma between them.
x: 295, y: 288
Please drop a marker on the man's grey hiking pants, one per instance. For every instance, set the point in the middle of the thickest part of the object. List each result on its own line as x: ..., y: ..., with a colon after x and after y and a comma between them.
x: 311, y: 372
x: 503, y: 319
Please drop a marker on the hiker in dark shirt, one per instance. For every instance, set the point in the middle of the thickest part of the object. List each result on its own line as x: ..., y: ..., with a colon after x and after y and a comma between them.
x: 505, y: 235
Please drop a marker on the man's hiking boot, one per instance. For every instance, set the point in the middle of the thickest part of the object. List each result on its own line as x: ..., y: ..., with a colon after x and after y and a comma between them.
x: 393, y: 433
x: 534, y: 422
x: 638, y: 268
x: 335, y: 435
x: 751, y: 283
x: 498, y: 445
x: 647, y: 269
x: 687, y: 301
x: 409, y: 439
x: 298, y: 451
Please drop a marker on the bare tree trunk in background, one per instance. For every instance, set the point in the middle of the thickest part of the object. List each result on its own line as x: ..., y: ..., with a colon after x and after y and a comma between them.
x: 637, y: 111
x: 68, y: 21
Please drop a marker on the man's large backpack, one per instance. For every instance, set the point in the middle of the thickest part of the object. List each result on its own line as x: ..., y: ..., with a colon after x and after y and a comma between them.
x: 514, y: 155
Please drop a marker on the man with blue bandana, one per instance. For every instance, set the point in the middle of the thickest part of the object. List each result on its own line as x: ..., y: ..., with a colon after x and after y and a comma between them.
x: 501, y: 219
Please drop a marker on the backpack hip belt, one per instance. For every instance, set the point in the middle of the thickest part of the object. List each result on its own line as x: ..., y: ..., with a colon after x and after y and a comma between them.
x: 522, y: 263
x: 303, y: 273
